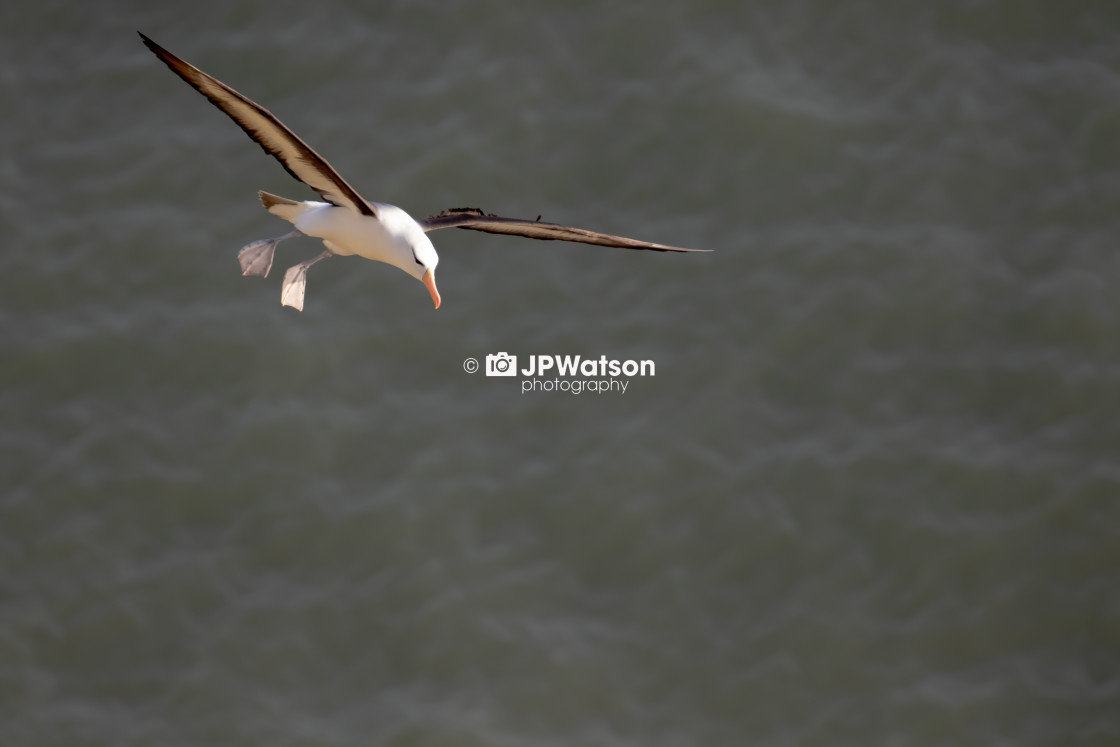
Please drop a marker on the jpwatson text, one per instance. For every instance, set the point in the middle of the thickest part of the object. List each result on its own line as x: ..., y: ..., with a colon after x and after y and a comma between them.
x: 571, y: 365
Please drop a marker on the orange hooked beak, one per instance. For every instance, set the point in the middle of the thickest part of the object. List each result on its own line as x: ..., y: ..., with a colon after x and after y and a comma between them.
x: 429, y: 280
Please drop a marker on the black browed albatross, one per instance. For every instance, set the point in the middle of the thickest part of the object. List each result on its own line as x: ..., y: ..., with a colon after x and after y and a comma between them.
x: 347, y: 223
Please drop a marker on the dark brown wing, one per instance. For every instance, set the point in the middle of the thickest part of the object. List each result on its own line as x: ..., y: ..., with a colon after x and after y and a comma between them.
x: 297, y: 158
x: 475, y: 220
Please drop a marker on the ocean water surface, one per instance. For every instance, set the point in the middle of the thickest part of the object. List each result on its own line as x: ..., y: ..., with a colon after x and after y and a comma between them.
x: 871, y: 495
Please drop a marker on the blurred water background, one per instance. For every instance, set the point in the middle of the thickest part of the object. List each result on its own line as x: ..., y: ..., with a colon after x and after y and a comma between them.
x: 870, y: 496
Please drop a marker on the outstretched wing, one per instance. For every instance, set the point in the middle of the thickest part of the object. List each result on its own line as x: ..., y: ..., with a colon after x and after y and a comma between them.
x: 475, y: 220
x: 297, y: 158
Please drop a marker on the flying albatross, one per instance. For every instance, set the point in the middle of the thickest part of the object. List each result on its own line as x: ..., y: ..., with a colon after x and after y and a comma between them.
x: 347, y: 223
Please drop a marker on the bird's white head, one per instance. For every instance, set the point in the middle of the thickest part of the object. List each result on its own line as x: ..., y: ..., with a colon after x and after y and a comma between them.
x: 414, y: 252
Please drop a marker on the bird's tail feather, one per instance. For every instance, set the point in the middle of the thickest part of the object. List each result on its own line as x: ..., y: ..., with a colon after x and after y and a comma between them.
x: 281, y: 206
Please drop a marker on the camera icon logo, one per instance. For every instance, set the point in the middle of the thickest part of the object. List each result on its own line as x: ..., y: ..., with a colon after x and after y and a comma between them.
x: 501, y: 364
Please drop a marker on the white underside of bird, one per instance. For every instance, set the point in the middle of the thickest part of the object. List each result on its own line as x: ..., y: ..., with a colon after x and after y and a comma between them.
x: 392, y: 237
